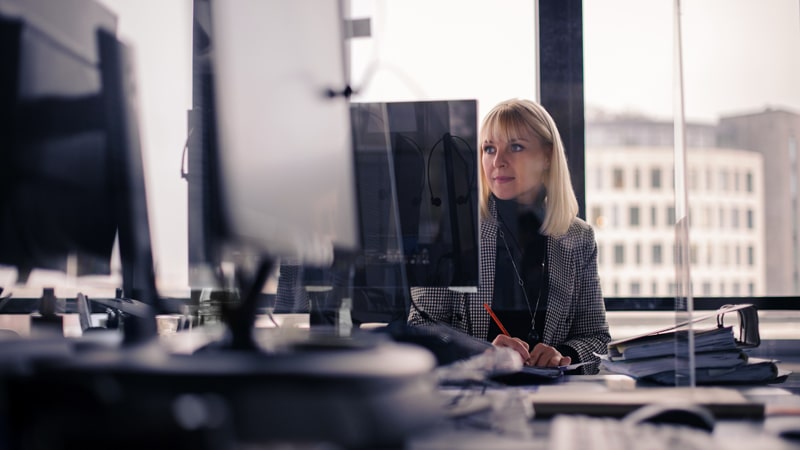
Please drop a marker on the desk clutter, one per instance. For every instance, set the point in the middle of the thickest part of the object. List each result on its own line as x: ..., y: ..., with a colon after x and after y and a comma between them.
x: 720, y: 357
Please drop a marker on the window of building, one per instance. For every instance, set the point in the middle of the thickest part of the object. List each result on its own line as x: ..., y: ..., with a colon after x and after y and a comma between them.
x: 721, y: 223
x: 670, y: 216
x: 723, y: 180
x: 597, y: 216
x: 726, y: 255
x: 653, y: 216
x: 636, y: 289
x: 736, y: 289
x: 750, y: 224
x: 721, y: 288
x: 618, y: 178
x: 706, y: 289
x: 738, y: 255
x: 638, y: 253
x: 748, y: 181
x: 709, y: 180
x: 654, y: 288
x: 636, y: 178
x: 655, y: 178
x: 751, y: 289
x: 615, y: 288
x: 615, y: 216
x: 600, y: 253
x: 709, y: 254
x: 633, y: 216
x: 619, y: 254
x: 656, y: 254
x: 693, y: 254
x: 751, y: 256
x: 736, y: 181
x: 734, y: 218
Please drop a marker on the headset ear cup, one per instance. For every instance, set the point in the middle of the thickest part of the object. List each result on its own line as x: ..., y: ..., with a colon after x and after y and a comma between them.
x: 436, y: 201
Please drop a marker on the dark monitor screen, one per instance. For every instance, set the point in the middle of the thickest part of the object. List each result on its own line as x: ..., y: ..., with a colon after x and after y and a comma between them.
x: 55, y: 195
x: 434, y: 171
x: 69, y: 147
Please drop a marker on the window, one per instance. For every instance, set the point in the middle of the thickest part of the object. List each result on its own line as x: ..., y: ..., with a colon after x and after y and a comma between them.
x: 751, y: 289
x: 693, y: 254
x: 721, y: 223
x: 710, y: 254
x: 736, y: 181
x: 636, y: 178
x: 738, y: 255
x: 736, y: 289
x: 709, y: 180
x: 633, y: 216
x: 748, y: 181
x: 670, y: 216
x: 616, y: 288
x: 721, y: 288
x: 734, y: 218
x: 706, y: 289
x: 619, y: 254
x: 654, y: 288
x: 655, y: 178
x: 597, y: 216
x: 638, y: 253
x: 618, y: 178
x: 726, y: 255
x: 615, y: 216
x: 656, y: 254
x: 653, y: 216
x: 600, y: 253
x: 750, y: 225
x: 751, y: 256
x: 723, y: 180
x: 636, y: 289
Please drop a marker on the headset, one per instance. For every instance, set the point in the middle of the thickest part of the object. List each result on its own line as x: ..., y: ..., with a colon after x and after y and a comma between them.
x: 462, y: 198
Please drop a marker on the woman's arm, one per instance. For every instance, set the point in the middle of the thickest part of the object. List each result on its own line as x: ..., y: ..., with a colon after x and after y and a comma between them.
x: 433, y: 304
x: 588, y: 326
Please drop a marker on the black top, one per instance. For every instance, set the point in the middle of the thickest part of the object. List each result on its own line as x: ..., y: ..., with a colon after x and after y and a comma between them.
x: 528, y: 247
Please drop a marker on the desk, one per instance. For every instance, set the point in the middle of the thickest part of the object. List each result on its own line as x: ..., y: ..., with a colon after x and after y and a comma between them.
x: 479, y: 431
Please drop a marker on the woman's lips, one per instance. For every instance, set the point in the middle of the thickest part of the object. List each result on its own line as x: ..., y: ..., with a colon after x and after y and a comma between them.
x: 503, y: 180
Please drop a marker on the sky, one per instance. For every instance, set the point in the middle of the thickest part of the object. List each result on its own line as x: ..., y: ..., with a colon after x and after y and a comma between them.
x: 739, y: 56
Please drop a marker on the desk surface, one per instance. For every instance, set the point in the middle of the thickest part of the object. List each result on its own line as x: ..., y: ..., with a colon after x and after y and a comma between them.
x: 480, y: 430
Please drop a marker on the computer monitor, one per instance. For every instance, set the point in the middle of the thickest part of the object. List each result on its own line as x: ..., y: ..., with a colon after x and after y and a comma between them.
x: 284, y: 165
x: 434, y: 163
x: 71, y: 154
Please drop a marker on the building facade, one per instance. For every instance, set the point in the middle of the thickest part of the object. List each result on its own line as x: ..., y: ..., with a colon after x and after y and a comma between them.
x: 630, y: 203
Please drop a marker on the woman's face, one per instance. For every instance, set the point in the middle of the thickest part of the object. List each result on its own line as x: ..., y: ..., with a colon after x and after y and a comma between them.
x: 514, y: 168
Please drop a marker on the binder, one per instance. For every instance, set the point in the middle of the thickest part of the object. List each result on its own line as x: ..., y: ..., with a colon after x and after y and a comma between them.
x: 719, y: 355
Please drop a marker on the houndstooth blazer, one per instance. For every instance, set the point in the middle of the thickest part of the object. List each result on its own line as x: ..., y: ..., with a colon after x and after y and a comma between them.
x: 576, y: 314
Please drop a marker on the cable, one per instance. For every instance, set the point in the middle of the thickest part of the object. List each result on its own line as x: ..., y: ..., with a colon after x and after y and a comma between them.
x: 460, y: 199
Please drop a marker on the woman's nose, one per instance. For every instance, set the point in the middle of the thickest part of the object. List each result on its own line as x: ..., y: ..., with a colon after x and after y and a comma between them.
x: 499, y: 160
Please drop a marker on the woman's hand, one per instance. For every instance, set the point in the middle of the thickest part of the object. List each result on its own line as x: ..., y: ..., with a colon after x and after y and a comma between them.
x: 544, y: 355
x: 516, y: 344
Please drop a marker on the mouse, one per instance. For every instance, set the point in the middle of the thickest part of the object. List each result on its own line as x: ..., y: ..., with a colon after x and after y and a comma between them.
x: 690, y: 415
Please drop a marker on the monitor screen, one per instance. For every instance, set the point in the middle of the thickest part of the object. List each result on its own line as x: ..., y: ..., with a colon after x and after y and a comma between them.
x: 55, y: 200
x: 433, y: 147
x: 284, y: 155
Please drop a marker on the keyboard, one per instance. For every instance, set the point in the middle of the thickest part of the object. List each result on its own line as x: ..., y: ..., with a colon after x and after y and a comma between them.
x: 574, y: 432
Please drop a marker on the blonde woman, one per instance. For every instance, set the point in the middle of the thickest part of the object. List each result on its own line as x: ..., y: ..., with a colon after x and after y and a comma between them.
x: 538, y: 260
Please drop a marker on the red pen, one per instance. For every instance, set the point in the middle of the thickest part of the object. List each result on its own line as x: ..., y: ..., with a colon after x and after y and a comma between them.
x: 496, y: 320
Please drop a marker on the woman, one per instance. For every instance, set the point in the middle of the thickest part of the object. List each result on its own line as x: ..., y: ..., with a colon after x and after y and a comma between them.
x: 538, y: 259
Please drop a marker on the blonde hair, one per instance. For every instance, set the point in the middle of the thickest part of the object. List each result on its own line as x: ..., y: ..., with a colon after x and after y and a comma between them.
x: 511, y: 118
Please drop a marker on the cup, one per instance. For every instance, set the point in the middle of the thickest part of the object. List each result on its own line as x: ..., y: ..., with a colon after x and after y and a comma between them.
x: 167, y: 324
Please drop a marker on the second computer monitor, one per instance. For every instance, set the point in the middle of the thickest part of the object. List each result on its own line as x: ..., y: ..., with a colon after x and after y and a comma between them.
x: 434, y: 160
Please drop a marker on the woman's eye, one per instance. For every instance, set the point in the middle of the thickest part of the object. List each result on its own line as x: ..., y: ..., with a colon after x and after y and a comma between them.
x: 516, y: 148
x: 488, y: 149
